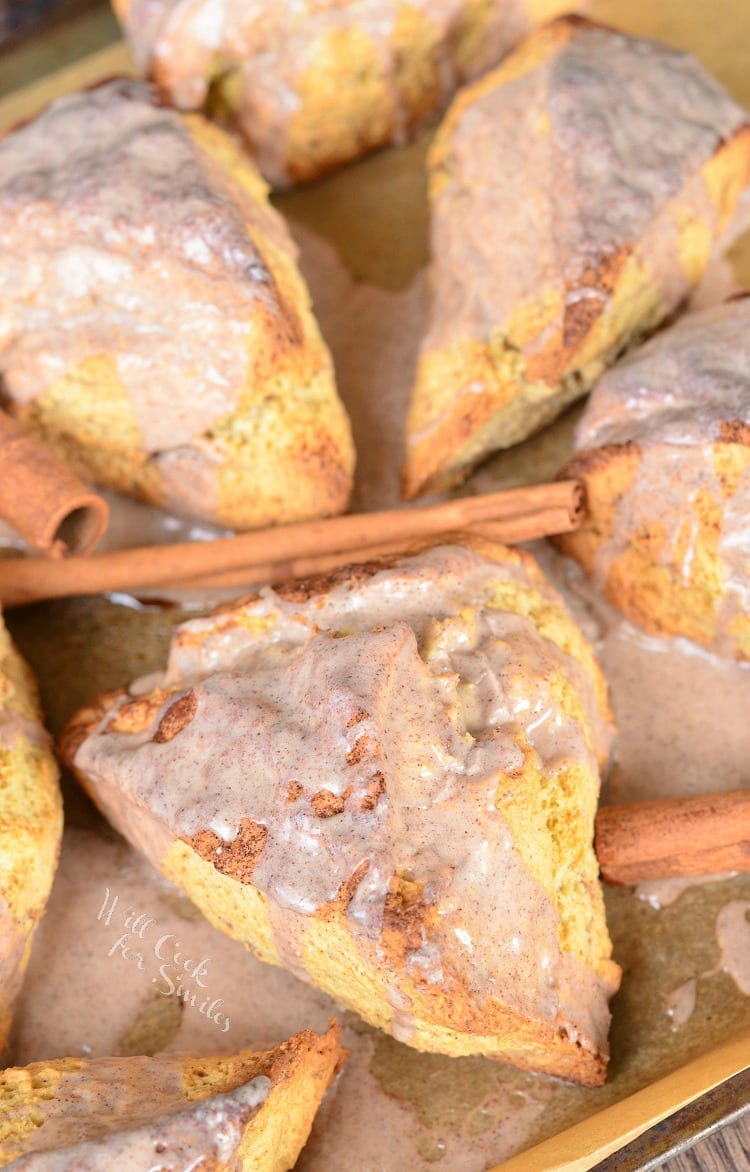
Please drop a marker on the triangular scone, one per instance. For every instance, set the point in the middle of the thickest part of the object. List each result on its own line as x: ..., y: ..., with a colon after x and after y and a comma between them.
x: 30, y: 823
x: 312, y: 84
x: 576, y: 193
x: 245, y: 1112
x: 154, y: 327
x: 386, y: 781
x: 664, y: 452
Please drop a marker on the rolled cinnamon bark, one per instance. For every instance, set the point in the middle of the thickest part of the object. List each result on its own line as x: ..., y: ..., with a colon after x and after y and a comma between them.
x: 674, y: 838
x: 297, y: 551
x: 45, y: 503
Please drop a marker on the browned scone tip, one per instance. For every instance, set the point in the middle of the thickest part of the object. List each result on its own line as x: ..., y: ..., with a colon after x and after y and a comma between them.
x: 664, y: 454
x: 581, y: 237
x: 83, y: 721
x: 325, y: 1049
x: 297, y: 771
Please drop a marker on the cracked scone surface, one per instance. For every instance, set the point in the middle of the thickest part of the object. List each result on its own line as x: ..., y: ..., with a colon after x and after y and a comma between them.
x: 244, y: 1112
x: 664, y: 453
x: 386, y: 781
x: 312, y: 84
x: 154, y: 327
x: 576, y: 194
x: 30, y: 822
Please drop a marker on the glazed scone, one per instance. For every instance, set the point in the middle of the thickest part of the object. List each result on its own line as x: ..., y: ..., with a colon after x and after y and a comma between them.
x: 386, y: 780
x: 314, y: 83
x: 154, y: 327
x: 576, y: 194
x: 245, y: 1112
x: 664, y: 453
x: 30, y: 823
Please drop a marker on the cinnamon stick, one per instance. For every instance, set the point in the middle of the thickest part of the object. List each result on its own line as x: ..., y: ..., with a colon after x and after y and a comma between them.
x: 298, y: 550
x: 525, y: 527
x: 674, y: 838
x: 44, y: 502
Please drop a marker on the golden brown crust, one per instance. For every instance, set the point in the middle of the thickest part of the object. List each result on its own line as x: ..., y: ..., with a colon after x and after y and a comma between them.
x: 735, y: 431
x: 237, y: 858
x: 606, y: 474
x: 84, y: 721
x: 322, y: 1052
x: 303, y: 589
x: 176, y: 717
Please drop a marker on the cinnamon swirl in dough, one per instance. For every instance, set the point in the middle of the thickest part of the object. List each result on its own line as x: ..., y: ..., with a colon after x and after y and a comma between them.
x: 154, y: 328
x: 386, y: 780
x: 664, y: 452
x: 576, y: 194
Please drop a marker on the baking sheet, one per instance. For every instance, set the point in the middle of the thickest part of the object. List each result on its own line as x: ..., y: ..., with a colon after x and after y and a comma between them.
x: 363, y: 240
